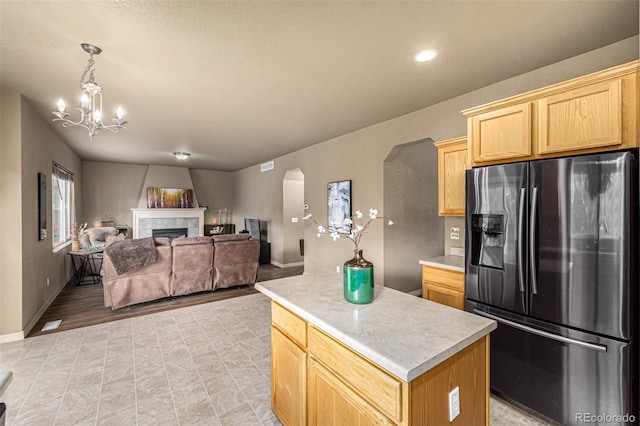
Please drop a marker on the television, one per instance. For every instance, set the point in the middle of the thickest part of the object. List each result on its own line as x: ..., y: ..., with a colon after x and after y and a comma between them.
x: 253, y: 226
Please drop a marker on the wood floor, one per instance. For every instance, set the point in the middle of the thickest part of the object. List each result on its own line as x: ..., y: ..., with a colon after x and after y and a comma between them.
x: 80, y: 306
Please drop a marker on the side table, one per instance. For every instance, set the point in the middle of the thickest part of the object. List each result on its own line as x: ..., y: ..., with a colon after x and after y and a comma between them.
x: 85, y: 262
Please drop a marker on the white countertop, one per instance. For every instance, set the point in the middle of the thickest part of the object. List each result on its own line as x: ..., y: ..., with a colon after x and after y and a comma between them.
x: 454, y: 263
x: 401, y: 333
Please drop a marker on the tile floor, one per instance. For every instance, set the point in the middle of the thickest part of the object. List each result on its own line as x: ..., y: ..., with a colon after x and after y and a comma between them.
x: 207, y: 364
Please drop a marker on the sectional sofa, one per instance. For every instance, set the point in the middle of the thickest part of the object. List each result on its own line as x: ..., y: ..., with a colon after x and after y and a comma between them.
x: 182, y: 266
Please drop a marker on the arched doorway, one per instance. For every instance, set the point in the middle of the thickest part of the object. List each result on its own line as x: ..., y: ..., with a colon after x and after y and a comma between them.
x: 292, y: 214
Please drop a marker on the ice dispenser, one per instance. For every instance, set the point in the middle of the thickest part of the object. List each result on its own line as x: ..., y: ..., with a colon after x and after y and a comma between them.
x: 487, y: 240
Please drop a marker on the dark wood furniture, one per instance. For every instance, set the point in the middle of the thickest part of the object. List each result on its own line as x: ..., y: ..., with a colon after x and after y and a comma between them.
x: 225, y: 228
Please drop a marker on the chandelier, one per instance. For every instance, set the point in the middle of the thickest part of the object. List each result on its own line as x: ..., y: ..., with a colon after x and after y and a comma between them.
x: 90, y: 102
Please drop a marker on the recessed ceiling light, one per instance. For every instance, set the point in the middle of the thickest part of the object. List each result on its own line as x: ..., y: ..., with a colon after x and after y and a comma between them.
x: 181, y: 155
x: 425, y: 55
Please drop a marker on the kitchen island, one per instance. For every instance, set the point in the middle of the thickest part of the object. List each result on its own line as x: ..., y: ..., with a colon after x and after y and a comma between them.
x: 393, y: 361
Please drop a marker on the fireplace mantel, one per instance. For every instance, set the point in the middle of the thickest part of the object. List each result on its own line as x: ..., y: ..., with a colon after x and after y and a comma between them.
x: 144, y: 220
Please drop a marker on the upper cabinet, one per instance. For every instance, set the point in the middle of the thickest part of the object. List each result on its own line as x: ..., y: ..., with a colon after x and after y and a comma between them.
x: 596, y: 112
x: 452, y: 163
x: 502, y: 134
x: 586, y: 117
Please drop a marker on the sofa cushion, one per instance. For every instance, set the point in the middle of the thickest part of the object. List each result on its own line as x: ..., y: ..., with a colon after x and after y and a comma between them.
x: 162, y: 241
x: 230, y: 237
x: 99, y: 235
x: 191, y: 241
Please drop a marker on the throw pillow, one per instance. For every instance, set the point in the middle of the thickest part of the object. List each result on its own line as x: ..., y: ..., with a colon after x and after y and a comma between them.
x: 85, y: 241
x: 99, y: 235
x: 113, y: 238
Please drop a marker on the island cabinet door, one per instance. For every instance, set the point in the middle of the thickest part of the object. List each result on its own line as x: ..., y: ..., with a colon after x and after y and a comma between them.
x: 332, y: 402
x: 288, y: 380
x: 468, y: 370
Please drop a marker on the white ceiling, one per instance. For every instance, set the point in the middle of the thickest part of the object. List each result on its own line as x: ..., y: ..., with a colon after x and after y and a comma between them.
x: 239, y: 83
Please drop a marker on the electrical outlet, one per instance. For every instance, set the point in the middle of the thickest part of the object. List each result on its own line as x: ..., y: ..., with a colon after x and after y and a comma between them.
x: 455, y: 233
x: 454, y: 404
x: 294, y: 220
x: 337, y: 269
x: 48, y: 282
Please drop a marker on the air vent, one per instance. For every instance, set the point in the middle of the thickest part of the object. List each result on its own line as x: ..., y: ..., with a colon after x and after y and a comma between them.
x: 266, y: 166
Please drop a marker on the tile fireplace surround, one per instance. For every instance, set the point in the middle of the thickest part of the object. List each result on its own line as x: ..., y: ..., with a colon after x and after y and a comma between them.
x: 146, y: 220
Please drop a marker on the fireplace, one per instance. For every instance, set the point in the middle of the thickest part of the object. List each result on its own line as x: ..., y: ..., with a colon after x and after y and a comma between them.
x: 147, y: 220
x: 170, y: 233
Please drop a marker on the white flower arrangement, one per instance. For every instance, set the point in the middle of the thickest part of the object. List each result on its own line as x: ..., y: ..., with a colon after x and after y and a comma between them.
x: 77, y: 231
x: 358, y: 228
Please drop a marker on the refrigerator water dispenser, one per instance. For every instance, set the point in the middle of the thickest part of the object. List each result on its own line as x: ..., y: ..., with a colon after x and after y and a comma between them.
x: 487, y: 240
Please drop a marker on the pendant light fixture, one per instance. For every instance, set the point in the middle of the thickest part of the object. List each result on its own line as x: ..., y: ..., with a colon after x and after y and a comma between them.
x: 90, y: 102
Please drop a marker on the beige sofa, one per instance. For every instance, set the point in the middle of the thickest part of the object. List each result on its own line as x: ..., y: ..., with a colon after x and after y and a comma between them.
x: 185, y: 266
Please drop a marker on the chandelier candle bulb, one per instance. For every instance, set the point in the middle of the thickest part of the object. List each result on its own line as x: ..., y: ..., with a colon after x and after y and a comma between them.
x: 61, y: 106
x: 84, y: 100
x: 120, y: 113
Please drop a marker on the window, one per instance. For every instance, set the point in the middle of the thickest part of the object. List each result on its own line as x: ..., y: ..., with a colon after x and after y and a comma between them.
x: 62, y: 204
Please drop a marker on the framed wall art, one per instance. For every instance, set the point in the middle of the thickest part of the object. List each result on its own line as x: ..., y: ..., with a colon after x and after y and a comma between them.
x: 169, y: 198
x: 42, y: 206
x: 339, y: 205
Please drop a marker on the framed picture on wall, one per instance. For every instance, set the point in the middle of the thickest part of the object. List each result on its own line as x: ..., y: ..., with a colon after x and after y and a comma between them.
x: 339, y: 205
x: 42, y: 206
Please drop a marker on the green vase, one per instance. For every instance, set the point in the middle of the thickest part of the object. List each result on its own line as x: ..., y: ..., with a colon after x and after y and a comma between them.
x: 358, y: 279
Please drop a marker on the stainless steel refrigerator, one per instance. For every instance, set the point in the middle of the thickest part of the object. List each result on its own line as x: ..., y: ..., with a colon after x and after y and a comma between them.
x: 552, y: 255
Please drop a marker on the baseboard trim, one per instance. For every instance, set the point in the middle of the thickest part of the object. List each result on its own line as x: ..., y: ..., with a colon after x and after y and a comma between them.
x: 417, y: 292
x: 287, y: 265
x: 11, y: 337
x: 20, y: 335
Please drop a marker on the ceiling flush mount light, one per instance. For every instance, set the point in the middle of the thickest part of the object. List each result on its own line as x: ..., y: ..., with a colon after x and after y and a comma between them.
x: 425, y: 55
x: 181, y: 155
x: 90, y: 102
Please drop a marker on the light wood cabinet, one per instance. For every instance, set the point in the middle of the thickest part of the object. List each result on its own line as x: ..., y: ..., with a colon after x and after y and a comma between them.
x: 332, y: 402
x: 586, y: 117
x: 594, y: 113
x: 452, y: 163
x: 383, y: 390
x: 288, y: 369
x: 443, y: 286
x: 502, y: 134
x: 341, y: 387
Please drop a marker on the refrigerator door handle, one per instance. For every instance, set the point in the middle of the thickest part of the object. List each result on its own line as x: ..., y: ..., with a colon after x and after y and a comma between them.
x: 532, y: 240
x: 593, y: 346
x: 521, y: 238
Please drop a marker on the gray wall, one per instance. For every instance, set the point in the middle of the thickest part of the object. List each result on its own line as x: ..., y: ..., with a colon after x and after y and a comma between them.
x: 216, y: 190
x: 411, y: 201
x: 10, y: 216
x: 111, y: 189
x: 360, y: 155
x: 29, y: 145
x: 114, y: 189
